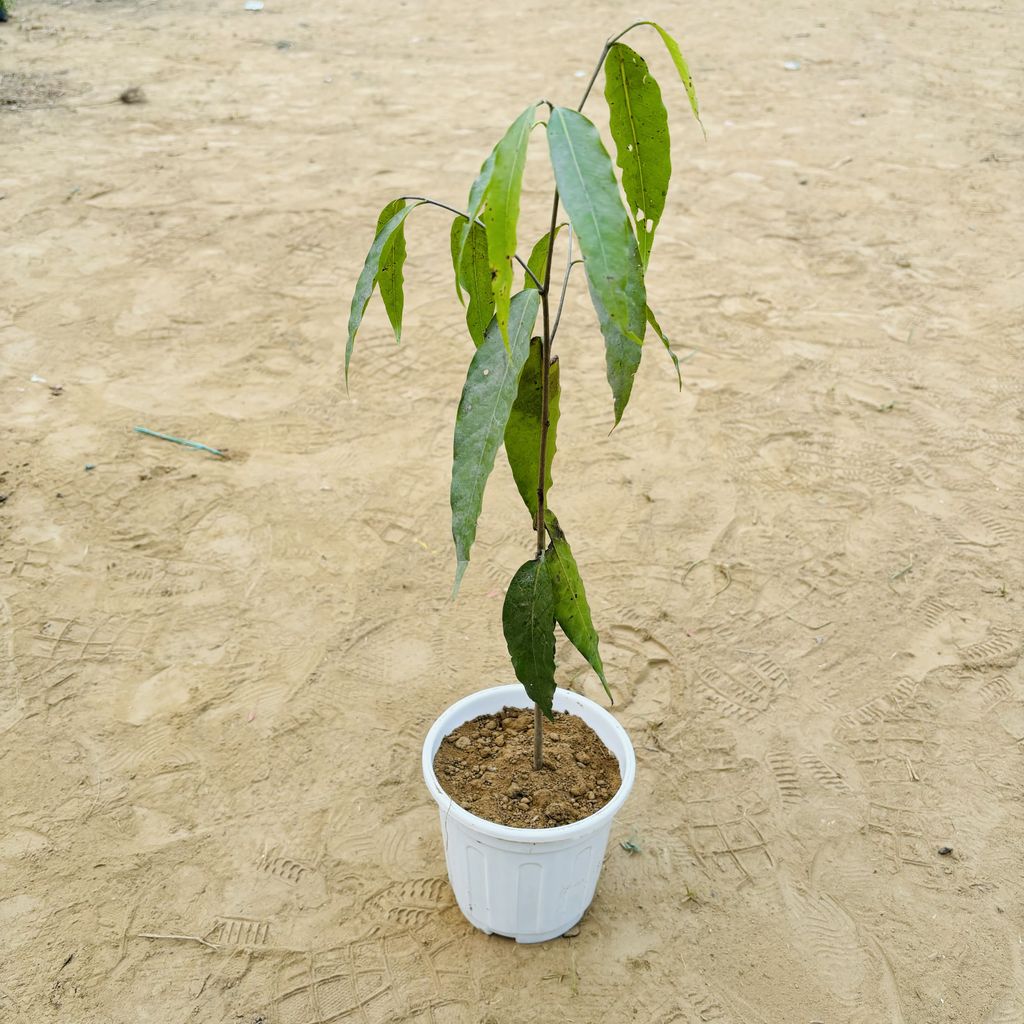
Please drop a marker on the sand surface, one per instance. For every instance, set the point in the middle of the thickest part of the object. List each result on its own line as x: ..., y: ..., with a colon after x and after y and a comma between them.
x: 807, y: 567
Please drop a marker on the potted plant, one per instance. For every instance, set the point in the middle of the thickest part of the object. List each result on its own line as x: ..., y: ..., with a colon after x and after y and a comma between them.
x: 525, y: 823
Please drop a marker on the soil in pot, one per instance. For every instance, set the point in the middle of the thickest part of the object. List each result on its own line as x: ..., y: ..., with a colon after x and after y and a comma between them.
x: 486, y: 766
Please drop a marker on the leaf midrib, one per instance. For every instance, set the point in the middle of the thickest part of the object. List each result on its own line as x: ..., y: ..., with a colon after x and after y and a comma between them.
x: 636, y: 154
x: 590, y: 205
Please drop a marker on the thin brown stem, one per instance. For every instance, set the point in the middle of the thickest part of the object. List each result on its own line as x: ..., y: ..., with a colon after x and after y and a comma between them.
x: 462, y: 213
x: 545, y: 377
x: 604, y: 53
x: 545, y: 392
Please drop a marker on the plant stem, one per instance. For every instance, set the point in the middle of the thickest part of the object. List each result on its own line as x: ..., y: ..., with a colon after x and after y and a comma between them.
x: 545, y: 392
x: 545, y: 374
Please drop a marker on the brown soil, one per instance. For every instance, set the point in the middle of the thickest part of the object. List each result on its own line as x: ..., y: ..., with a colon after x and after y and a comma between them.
x: 486, y: 766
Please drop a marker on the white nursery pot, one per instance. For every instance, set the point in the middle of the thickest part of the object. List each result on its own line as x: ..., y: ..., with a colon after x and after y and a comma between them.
x: 531, y: 884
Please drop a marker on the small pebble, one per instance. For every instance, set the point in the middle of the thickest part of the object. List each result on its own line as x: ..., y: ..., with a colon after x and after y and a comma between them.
x: 578, y: 789
x: 575, y: 929
x: 591, y: 795
x: 463, y: 742
x: 945, y: 851
x: 499, y: 740
x: 583, y: 758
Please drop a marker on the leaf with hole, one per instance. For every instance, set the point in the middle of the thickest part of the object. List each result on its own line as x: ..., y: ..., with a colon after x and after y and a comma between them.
x: 681, y: 66
x: 487, y: 397
x: 587, y: 185
x: 639, y: 127
x: 523, y: 430
x: 528, y: 621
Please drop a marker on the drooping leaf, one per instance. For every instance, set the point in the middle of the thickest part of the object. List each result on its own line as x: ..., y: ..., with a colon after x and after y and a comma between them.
x: 587, y: 185
x: 668, y: 345
x: 487, y: 397
x: 572, y: 612
x: 475, y: 277
x: 528, y: 620
x: 477, y: 192
x: 368, y: 278
x: 681, y: 66
x: 538, y: 260
x: 639, y: 126
x: 522, y: 432
x: 622, y: 351
x: 392, y: 261
x: 501, y: 211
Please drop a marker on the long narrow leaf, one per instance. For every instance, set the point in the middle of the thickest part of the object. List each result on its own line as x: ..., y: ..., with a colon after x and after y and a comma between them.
x: 390, y: 278
x: 522, y: 432
x: 475, y: 276
x: 477, y: 193
x: 487, y: 397
x: 622, y: 351
x: 587, y: 185
x: 668, y: 345
x: 501, y: 211
x: 681, y: 66
x: 538, y: 260
x: 639, y: 126
x: 528, y: 620
x: 368, y: 278
x: 572, y: 612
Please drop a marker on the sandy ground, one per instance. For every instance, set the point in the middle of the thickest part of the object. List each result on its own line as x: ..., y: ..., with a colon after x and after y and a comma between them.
x: 807, y: 568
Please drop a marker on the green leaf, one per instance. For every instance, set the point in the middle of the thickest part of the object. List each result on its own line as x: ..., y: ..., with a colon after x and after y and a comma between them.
x: 681, y: 66
x: 477, y: 193
x: 668, y: 345
x: 368, y: 277
x: 392, y: 261
x: 487, y: 398
x: 572, y: 612
x: 622, y: 352
x: 475, y: 276
x: 522, y: 432
x: 501, y: 211
x: 587, y: 185
x: 528, y: 620
x: 538, y: 260
x: 639, y: 126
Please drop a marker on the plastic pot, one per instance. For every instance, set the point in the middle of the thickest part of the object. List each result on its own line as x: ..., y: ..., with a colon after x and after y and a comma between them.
x: 531, y: 884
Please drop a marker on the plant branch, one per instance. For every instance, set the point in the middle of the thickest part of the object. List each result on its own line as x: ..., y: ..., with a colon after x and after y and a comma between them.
x: 462, y: 213
x: 600, y: 61
x: 570, y: 263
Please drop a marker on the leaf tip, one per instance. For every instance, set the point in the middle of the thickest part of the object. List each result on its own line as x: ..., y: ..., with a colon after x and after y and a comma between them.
x: 460, y: 571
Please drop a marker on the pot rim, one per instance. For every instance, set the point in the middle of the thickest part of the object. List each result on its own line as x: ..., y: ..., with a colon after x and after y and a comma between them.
x: 515, y: 696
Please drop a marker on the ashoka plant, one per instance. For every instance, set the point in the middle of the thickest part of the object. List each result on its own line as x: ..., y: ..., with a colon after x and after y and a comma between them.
x: 511, y: 394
